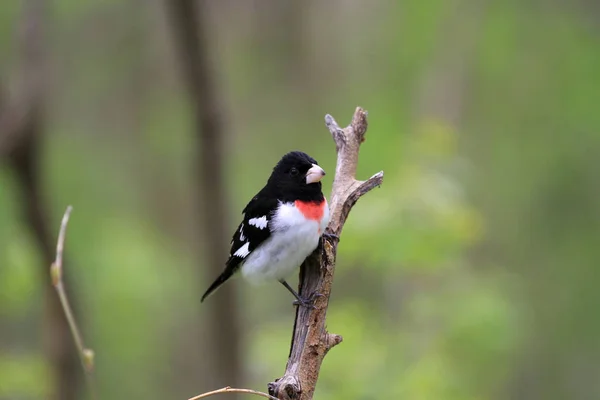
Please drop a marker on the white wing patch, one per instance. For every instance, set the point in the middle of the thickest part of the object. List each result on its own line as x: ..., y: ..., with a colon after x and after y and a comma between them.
x: 260, y: 223
x: 242, y: 237
x: 293, y: 238
x: 243, y: 251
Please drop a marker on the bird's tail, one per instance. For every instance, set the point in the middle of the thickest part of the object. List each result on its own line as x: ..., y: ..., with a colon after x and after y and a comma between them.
x: 218, y: 282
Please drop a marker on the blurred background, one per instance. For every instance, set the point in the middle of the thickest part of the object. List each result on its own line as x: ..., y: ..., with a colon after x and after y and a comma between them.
x: 470, y: 274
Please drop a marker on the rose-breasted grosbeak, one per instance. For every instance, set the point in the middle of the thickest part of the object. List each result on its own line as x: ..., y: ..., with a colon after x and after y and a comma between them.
x: 282, y: 224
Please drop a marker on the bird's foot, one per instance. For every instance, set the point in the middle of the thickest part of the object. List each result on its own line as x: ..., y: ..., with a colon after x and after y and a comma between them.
x: 331, y: 236
x: 307, y: 302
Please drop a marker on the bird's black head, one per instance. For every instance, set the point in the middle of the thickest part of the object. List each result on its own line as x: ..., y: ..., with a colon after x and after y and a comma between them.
x: 297, y: 176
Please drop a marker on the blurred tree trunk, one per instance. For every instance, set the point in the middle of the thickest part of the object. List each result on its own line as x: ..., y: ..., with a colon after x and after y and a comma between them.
x: 188, y: 19
x: 58, y: 343
x: 444, y: 86
x: 281, y: 40
x: 21, y: 128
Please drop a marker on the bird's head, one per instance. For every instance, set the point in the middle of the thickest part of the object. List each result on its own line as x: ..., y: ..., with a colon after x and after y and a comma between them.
x: 297, y: 176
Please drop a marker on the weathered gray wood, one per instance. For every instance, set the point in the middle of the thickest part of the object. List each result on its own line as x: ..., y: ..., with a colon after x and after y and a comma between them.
x: 310, y: 340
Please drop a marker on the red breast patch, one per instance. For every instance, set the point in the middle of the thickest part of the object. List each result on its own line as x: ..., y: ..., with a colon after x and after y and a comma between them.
x: 311, y: 209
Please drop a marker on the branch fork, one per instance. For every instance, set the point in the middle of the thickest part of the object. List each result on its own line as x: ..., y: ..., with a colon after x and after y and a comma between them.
x: 310, y: 340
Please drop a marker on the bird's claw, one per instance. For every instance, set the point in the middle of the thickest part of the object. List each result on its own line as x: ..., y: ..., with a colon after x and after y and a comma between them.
x: 307, y: 302
x: 331, y: 236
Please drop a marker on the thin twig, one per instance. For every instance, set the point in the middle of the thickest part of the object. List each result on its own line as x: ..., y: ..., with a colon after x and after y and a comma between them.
x: 56, y: 272
x: 228, y: 389
x: 60, y: 244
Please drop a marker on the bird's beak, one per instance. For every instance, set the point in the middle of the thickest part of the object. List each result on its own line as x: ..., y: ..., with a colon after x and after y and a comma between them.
x: 314, y: 174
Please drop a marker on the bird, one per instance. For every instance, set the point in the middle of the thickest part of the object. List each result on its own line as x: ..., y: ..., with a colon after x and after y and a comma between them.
x: 281, y: 226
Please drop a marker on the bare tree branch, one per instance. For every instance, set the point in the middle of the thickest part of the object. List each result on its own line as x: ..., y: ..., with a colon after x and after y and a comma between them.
x: 311, y: 341
x: 232, y: 390
x: 56, y: 273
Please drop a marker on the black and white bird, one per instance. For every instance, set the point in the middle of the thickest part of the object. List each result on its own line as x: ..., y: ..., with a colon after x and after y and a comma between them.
x: 282, y: 225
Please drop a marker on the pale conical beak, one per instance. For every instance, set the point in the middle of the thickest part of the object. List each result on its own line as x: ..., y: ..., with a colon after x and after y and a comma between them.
x: 315, y: 174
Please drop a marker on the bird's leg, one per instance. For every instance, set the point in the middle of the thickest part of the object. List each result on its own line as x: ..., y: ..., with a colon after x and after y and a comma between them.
x: 300, y: 301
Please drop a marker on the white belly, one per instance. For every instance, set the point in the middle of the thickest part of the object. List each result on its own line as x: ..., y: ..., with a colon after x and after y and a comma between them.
x: 293, y: 238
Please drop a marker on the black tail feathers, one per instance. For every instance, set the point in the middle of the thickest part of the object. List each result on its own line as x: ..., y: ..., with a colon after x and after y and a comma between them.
x: 218, y: 282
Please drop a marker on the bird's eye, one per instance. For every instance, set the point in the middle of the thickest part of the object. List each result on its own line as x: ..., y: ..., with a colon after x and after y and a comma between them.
x: 294, y: 171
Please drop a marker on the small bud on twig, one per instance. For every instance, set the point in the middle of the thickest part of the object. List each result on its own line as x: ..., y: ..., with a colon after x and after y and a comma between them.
x: 55, y: 274
x: 88, y: 359
x: 56, y: 271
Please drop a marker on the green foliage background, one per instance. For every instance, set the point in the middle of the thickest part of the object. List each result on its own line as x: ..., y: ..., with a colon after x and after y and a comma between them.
x: 470, y: 274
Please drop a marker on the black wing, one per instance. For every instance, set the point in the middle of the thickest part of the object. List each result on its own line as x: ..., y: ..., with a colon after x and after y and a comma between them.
x: 251, y: 233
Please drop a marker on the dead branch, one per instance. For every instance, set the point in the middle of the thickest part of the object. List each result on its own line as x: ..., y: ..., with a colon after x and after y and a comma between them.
x: 56, y: 273
x: 311, y: 341
x: 86, y: 355
x: 228, y: 389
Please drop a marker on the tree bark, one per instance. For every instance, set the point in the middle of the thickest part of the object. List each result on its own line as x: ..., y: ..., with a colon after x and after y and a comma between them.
x: 189, y: 24
x: 310, y: 339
